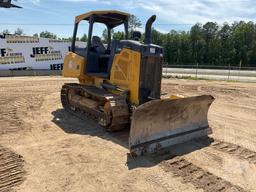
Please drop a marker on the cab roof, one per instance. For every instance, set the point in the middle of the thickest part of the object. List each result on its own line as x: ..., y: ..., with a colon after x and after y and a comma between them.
x: 112, y: 18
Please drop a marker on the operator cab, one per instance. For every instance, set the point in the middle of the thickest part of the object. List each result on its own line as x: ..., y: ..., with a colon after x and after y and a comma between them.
x: 99, y: 56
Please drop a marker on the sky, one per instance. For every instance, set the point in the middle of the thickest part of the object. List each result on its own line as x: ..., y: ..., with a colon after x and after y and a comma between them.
x: 57, y: 16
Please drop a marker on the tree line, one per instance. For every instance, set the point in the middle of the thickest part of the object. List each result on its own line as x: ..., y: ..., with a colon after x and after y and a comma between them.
x: 44, y: 34
x: 210, y: 44
x: 134, y: 22
x: 205, y: 44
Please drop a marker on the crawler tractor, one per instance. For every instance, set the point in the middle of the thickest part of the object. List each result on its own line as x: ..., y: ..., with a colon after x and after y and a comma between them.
x: 120, y: 86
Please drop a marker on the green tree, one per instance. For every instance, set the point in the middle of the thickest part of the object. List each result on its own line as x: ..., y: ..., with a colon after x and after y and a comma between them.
x: 84, y: 38
x: 47, y: 34
x: 244, y: 42
x: 18, y: 31
x: 69, y: 39
x: 207, y: 44
x: 6, y: 31
x: 118, y: 35
x: 210, y: 30
x: 227, y: 51
x: 134, y: 23
x: 157, y: 37
x: 105, y: 35
x: 197, y: 43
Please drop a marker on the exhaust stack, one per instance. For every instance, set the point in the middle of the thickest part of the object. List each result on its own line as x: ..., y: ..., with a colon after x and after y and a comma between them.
x: 148, y: 29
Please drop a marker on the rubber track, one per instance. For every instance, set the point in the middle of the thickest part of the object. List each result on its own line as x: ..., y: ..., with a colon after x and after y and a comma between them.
x: 195, y: 175
x: 11, y: 170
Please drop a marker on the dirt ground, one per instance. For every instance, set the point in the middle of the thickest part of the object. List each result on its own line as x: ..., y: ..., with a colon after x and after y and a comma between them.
x: 54, y: 151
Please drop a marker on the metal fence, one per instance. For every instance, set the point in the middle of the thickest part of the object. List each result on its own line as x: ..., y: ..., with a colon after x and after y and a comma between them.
x: 232, y: 73
x: 200, y: 66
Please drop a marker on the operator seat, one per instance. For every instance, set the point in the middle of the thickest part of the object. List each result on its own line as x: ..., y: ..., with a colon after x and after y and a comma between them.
x: 98, y: 45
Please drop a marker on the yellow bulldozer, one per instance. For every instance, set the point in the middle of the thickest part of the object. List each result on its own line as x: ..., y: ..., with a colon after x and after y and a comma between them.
x: 120, y: 87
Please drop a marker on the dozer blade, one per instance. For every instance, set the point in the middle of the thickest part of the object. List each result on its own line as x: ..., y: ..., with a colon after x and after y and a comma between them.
x: 165, y: 122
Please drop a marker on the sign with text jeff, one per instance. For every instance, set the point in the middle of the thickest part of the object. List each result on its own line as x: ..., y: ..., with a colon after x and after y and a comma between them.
x: 34, y: 53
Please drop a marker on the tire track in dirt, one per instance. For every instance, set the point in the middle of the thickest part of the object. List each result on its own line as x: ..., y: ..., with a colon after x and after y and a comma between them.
x: 236, y: 150
x: 9, y: 120
x: 11, y: 170
x: 232, y: 149
x: 11, y: 109
x: 19, y: 98
x: 197, y: 176
x: 159, y: 180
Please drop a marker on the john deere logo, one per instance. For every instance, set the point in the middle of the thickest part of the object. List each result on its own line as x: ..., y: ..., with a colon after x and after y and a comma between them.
x: 71, y: 64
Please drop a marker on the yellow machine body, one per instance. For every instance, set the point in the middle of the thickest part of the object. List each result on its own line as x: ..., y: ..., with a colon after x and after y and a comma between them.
x: 120, y: 84
x: 125, y: 72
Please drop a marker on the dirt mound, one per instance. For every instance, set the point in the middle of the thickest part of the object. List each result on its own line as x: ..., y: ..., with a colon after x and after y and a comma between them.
x: 11, y: 170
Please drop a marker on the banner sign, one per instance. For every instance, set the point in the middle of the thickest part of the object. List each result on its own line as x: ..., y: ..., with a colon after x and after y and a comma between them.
x: 23, y: 52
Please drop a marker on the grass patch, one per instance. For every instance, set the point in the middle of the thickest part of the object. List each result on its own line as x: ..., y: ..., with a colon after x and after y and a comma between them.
x: 184, y: 77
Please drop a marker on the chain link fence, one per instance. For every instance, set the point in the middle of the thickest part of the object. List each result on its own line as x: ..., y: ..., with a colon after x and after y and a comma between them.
x: 243, y: 74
